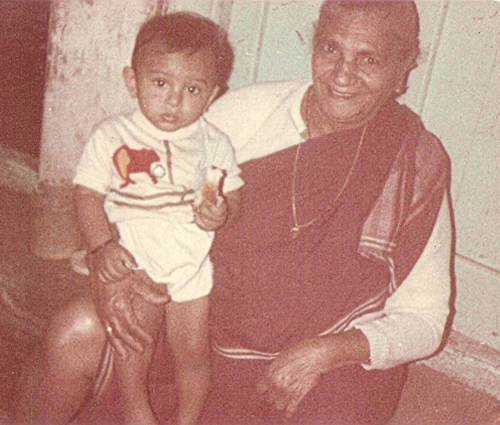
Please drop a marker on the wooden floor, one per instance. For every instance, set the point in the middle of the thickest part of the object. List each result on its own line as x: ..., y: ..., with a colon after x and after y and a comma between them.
x: 431, y: 398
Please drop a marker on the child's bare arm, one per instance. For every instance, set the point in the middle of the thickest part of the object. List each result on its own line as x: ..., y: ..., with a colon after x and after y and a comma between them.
x: 108, y: 259
x: 187, y: 334
x: 92, y: 218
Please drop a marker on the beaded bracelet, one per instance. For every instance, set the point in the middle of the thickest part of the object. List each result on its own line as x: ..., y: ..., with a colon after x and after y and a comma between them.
x: 101, y: 246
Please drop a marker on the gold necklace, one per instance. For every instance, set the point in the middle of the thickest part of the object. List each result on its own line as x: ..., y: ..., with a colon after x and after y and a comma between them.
x: 295, y: 230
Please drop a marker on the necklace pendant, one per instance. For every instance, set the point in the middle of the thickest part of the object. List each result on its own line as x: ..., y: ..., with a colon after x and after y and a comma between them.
x: 294, y: 232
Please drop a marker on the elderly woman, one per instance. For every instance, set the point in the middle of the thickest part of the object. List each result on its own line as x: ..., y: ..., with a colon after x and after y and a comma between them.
x: 337, y: 272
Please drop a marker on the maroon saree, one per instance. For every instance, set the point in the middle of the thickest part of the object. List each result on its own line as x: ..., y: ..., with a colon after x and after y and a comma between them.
x: 271, y: 290
x: 277, y: 289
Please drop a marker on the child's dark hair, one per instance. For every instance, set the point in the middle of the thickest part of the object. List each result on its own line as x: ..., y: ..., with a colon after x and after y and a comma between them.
x: 182, y: 31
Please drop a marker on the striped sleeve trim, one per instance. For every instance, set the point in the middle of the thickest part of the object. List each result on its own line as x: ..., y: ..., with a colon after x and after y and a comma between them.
x: 241, y: 353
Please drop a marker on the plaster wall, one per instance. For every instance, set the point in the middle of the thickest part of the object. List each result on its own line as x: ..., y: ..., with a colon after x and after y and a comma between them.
x: 462, y: 107
x: 89, y: 44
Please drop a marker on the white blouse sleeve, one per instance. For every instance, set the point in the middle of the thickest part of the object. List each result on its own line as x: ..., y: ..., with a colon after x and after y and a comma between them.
x: 414, y: 317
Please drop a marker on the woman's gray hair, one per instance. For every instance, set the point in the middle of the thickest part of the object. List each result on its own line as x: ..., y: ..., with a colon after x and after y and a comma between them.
x: 401, y: 14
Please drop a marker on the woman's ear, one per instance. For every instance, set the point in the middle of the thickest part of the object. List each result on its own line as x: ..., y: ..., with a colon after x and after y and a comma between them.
x: 130, y: 81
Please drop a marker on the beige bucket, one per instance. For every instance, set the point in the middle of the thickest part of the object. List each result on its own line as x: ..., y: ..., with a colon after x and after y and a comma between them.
x: 53, y: 233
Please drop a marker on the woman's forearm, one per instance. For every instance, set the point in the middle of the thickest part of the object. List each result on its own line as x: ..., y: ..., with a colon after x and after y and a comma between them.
x: 412, y: 323
x: 346, y: 348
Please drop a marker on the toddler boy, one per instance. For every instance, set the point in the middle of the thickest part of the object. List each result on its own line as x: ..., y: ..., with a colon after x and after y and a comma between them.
x: 151, y: 187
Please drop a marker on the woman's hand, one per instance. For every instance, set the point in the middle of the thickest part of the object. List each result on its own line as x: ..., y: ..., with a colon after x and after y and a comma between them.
x: 293, y: 374
x: 209, y: 216
x: 114, y: 305
x: 298, y: 369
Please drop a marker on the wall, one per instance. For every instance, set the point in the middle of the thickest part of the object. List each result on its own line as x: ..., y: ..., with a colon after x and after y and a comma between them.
x: 23, y: 37
x: 90, y: 41
x: 463, y: 108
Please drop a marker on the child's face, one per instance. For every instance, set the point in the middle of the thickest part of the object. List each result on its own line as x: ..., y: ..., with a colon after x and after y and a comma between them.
x: 173, y: 89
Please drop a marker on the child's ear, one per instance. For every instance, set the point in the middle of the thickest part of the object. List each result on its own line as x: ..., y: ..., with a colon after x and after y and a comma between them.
x: 130, y: 81
x: 213, y: 95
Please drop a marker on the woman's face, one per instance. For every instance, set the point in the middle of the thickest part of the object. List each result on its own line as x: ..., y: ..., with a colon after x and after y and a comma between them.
x: 355, y: 67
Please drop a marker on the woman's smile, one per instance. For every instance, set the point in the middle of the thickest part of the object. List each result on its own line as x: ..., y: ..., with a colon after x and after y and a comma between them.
x: 341, y: 94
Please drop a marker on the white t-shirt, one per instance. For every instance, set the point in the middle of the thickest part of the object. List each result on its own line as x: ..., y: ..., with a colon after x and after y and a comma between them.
x: 151, y: 178
x: 146, y: 172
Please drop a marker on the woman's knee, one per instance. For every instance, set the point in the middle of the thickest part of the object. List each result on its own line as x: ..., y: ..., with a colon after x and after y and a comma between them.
x: 75, y: 335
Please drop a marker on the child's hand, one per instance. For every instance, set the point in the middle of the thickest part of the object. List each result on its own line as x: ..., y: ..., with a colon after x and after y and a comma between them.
x: 112, y: 262
x: 210, y: 216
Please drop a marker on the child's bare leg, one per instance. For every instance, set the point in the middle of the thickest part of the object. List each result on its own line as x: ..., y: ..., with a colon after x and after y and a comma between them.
x: 132, y: 372
x: 187, y: 334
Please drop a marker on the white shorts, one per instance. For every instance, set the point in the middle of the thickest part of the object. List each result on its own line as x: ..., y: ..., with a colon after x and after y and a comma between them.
x: 172, y: 253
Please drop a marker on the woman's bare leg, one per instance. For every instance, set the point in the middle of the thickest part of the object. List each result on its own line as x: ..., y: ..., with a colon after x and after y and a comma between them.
x: 60, y: 374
